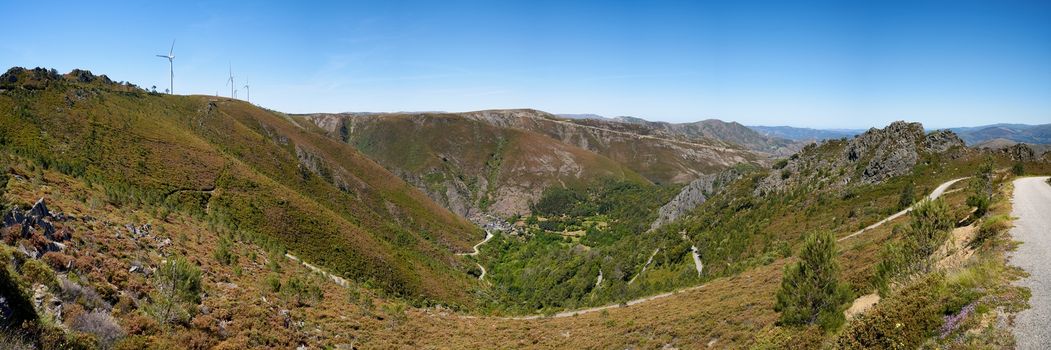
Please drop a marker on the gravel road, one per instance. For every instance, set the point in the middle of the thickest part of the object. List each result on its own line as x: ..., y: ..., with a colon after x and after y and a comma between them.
x: 1032, y: 208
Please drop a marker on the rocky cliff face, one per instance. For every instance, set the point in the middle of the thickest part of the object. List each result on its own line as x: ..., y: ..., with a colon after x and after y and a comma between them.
x: 872, y: 157
x: 694, y: 194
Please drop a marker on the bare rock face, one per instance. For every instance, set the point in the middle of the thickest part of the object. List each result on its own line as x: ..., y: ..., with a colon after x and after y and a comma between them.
x: 941, y: 141
x: 890, y: 151
x: 694, y: 194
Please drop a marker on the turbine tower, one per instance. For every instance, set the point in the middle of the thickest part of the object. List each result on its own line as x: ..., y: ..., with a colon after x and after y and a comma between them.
x: 171, y: 70
x: 230, y: 81
x: 248, y: 90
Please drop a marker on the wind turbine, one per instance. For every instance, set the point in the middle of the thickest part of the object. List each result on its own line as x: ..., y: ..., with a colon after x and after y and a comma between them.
x: 171, y: 70
x: 230, y: 81
x: 248, y: 90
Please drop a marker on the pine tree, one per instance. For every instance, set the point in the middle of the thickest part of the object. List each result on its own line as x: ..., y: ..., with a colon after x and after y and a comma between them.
x: 810, y: 290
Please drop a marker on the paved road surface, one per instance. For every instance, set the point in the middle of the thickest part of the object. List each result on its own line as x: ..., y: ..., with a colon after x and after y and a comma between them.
x: 1032, y: 207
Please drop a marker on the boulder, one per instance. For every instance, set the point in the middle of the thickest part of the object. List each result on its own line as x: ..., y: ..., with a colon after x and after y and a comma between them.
x: 39, y: 209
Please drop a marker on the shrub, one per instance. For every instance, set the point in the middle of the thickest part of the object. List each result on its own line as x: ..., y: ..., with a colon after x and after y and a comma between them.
x: 1018, y: 169
x: 15, y: 341
x: 36, y: 271
x: 273, y: 283
x: 981, y: 189
x: 893, y: 261
x: 19, y: 308
x: 222, y: 252
x: 929, y: 226
x: 101, y: 325
x: 990, y: 227
x: 303, y: 290
x: 810, y: 289
x: 908, y: 196
x: 902, y: 321
x: 57, y: 261
x: 71, y: 291
x: 178, y: 289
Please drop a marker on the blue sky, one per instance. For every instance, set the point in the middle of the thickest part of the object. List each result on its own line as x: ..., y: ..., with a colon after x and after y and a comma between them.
x: 816, y: 64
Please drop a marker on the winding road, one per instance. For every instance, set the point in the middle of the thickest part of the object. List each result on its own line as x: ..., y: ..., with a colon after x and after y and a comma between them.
x: 488, y: 236
x: 1032, y: 208
x: 938, y: 191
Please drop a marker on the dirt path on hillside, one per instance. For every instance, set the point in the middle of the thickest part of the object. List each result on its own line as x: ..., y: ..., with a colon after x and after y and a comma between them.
x: 938, y: 191
x: 1032, y: 207
x: 488, y: 236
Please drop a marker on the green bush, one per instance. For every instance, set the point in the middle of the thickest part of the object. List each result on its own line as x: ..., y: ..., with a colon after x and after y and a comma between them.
x: 990, y: 227
x: 178, y: 290
x: 929, y: 227
x: 908, y: 196
x: 1018, y: 169
x: 36, y: 271
x: 810, y: 290
x: 222, y: 252
x: 303, y: 291
x: 893, y: 261
x: 273, y: 283
x: 981, y: 187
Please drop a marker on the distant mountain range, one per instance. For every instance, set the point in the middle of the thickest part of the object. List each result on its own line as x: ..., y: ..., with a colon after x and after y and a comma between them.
x: 805, y: 134
x: 1031, y: 134
x: 770, y: 139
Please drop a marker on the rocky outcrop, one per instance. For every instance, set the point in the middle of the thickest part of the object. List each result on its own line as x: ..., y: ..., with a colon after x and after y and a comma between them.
x: 869, y: 158
x: 35, y: 226
x: 941, y: 141
x: 1020, y: 152
x: 694, y: 194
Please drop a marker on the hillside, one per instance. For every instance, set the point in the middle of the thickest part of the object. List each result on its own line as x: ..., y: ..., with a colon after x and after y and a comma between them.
x: 101, y: 267
x: 469, y: 166
x: 501, y: 161
x: 242, y: 167
x: 729, y: 132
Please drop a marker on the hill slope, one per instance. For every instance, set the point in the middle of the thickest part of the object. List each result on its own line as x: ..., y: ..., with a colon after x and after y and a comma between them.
x: 500, y: 161
x: 243, y: 167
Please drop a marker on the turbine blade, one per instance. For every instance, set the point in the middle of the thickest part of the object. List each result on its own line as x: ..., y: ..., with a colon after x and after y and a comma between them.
x: 172, y: 49
x: 162, y: 56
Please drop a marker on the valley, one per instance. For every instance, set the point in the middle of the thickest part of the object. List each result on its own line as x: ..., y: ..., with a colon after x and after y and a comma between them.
x: 380, y: 231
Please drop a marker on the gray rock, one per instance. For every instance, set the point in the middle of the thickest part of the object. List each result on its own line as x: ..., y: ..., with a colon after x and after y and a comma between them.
x: 39, y: 209
x: 694, y: 194
x: 1020, y: 152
